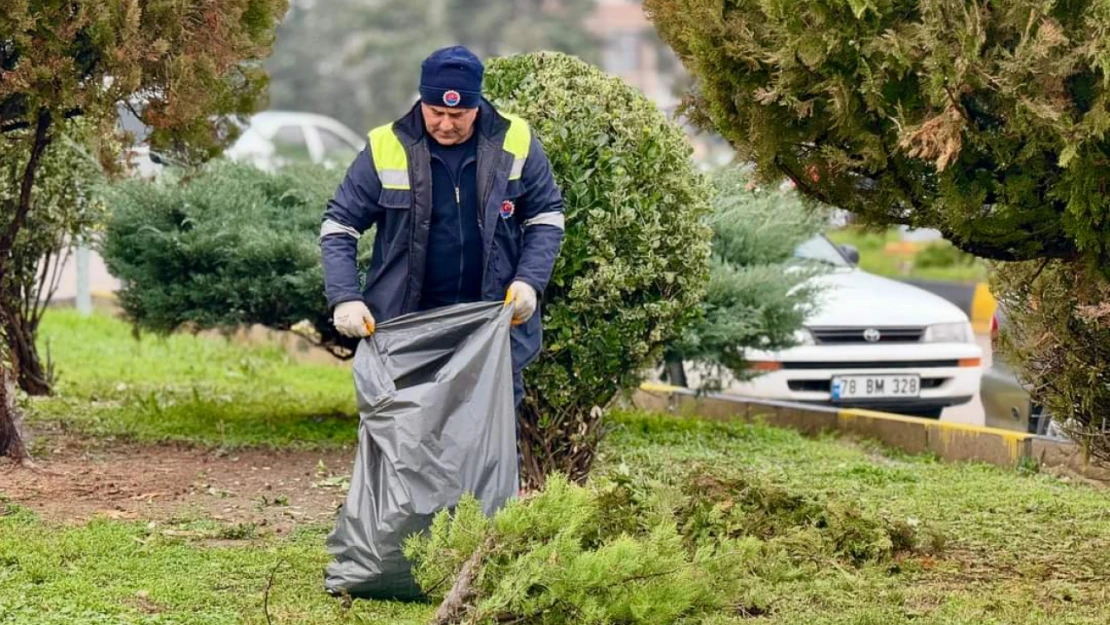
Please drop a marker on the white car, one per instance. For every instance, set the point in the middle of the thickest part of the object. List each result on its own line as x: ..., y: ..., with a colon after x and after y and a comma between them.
x: 871, y: 343
x: 269, y: 139
x: 275, y: 138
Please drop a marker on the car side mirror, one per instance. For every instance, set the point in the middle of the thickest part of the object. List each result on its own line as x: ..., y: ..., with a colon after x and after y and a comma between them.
x: 850, y: 252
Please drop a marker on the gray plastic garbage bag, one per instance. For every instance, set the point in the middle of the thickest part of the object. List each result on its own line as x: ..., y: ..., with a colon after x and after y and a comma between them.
x: 435, y: 397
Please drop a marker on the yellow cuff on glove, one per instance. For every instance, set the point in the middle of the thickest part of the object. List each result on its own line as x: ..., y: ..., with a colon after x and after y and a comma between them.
x: 353, y: 319
x: 523, y: 297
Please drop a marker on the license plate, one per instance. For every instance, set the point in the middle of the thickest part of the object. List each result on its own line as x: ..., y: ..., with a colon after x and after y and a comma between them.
x: 875, y: 386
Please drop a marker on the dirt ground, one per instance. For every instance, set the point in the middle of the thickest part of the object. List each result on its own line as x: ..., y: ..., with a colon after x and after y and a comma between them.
x: 275, y: 491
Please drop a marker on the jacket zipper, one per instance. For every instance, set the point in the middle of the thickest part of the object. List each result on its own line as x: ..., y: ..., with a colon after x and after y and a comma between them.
x: 462, y: 248
x: 483, y: 199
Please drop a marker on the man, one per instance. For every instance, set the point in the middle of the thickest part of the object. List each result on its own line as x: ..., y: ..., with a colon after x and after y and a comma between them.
x: 466, y: 210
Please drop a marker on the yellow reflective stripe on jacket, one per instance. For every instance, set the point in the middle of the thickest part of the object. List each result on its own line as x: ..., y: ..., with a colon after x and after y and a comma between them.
x: 389, y: 158
x: 392, y: 162
x: 518, y: 139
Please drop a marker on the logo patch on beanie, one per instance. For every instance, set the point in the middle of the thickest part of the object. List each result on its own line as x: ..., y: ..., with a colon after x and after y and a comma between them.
x: 451, y: 98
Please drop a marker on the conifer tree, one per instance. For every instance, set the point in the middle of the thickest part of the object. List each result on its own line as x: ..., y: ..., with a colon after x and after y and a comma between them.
x: 184, y: 64
x: 985, y: 120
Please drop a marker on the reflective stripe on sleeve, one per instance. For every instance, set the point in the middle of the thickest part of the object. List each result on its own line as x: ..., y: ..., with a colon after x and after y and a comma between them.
x: 331, y: 226
x: 547, y: 219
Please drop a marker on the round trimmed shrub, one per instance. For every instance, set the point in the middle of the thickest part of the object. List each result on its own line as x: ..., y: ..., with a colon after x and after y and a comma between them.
x: 634, y: 263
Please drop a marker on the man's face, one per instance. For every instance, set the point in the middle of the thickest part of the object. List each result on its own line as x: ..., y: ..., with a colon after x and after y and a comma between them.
x: 448, y: 126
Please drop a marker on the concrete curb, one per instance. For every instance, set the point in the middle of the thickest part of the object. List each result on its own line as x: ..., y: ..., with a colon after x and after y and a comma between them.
x: 974, y: 299
x: 952, y: 442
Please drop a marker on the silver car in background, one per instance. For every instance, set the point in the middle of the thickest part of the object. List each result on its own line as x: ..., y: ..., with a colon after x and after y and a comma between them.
x: 275, y: 138
x: 268, y: 140
x: 1007, y: 403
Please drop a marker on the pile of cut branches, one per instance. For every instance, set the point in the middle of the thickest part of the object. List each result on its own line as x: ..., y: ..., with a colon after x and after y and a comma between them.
x: 632, y: 550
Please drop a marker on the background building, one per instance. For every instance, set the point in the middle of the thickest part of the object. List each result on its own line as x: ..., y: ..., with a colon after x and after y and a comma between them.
x: 630, y: 49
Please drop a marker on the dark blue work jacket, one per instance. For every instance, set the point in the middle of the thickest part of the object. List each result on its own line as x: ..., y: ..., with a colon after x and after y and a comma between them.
x: 520, y: 223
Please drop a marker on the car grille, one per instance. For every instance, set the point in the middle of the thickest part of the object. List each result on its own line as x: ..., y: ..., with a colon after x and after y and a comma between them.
x: 882, y: 364
x: 846, y: 336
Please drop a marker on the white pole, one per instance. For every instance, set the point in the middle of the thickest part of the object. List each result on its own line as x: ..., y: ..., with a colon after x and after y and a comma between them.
x: 84, y: 297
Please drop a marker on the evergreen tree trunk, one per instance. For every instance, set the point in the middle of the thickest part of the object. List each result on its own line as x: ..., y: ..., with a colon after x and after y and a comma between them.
x: 20, y: 336
x: 11, y: 437
x: 17, y: 354
x: 563, y: 442
x: 18, y: 332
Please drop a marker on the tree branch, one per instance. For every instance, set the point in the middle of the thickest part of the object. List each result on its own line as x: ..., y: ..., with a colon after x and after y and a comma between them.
x: 957, y: 105
x: 1040, y: 270
x: 41, y: 141
x: 49, y: 287
x: 1053, y: 247
x: 454, y: 604
x: 647, y: 576
x: 269, y: 586
x: 20, y: 125
x: 1056, y: 248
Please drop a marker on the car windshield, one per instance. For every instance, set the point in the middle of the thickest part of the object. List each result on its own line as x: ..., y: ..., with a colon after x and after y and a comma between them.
x: 821, y: 250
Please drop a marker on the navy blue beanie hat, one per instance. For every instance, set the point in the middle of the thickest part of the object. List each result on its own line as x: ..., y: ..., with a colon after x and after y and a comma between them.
x: 452, y: 77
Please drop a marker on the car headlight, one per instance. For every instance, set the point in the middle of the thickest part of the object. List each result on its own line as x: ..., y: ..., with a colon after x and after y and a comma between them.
x: 804, y: 337
x: 949, y: 333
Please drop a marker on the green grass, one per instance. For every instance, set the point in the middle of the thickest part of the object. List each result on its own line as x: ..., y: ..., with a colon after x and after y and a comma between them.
x: 185, y: 388
x: 113, y: 572
x: 1020, y: 548
x: 875, y: 259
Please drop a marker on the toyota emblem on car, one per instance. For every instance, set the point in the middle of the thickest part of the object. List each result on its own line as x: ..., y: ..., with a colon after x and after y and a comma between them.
x: 871, y: 335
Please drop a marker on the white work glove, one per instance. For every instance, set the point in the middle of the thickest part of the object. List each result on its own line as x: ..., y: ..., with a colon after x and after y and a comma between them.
x: 353, y: 319
x: 523, y: 297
